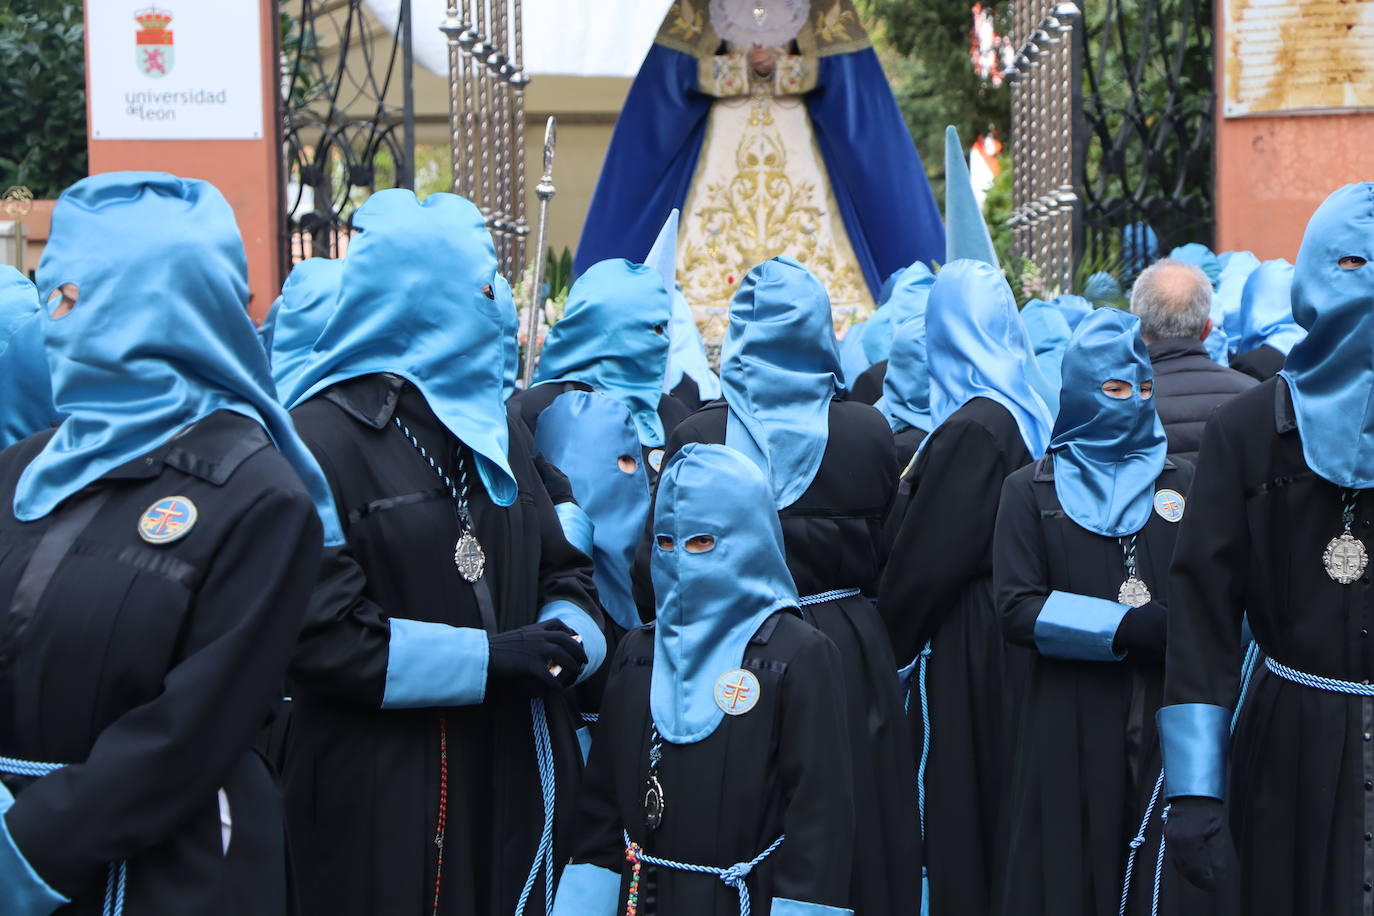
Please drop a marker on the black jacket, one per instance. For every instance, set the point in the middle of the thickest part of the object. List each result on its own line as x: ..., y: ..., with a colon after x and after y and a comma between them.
x: 1188, y: 387
x: 151, y: 667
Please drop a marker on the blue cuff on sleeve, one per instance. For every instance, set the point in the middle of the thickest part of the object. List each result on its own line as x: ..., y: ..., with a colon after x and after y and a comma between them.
x: 784, y: 907
x: 593, y: 640
x: 22, y: 891
x: 577, y: 526
x: 1193, y: 738
x: 434, y: 664
x: 1078, y: 628
x: 587, y: 890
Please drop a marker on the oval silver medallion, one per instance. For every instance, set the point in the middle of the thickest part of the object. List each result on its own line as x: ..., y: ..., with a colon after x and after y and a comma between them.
x: 469, y: 558
x: 1345, y: 558
x: 1133, y: 593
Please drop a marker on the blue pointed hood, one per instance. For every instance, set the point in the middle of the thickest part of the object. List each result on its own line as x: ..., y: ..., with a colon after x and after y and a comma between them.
x: 710, y: 604
x: 779, y: 370
x: 614, y: 336
x: 413, y: 303
x: 307, y: 299
x: 1331, y: 370
x: 1266, y: 309
x: 25, y: 392
x: 662, y: 255
x: 687, y: 354
x: 977, y: 347
x: 1199, y: 255
x: 159, y: 338
x: 588, y: 436
x: 1049, y: 336
x: 906, y: 384
x: 1107, y: 452
x: 966, y: 235
x: 509, y: 320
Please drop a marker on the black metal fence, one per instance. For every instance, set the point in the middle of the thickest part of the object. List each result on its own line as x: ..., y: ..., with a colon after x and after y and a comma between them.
x: 346, y: 129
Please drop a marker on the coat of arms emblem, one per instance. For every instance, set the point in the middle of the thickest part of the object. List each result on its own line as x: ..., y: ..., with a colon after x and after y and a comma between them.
x: 153, y: 42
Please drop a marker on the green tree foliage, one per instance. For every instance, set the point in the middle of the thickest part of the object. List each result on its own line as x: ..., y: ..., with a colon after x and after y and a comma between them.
x: 42, y: 95
x: 924, y: 45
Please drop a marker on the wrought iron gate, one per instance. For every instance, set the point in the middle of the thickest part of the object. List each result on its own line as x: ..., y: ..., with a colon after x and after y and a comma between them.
x: 344, y: 133
x: 1118, y: 96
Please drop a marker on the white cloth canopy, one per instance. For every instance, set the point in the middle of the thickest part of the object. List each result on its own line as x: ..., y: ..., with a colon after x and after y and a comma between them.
x: 568, y: 37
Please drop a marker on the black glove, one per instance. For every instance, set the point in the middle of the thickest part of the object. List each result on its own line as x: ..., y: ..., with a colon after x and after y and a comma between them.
x: 1197, y: 838
x: 527, y: 654
x: 1143, y: 628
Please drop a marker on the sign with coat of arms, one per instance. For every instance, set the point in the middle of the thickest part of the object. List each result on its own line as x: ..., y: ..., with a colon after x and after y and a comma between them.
x: 196, y: 72
x: 153, y: 42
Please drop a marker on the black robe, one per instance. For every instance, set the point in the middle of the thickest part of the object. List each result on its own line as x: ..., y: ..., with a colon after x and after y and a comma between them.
x: 529, y: 404
x: 1086, y: 761
x: 1301, y: 788
x: 687, y: 393
x: 779, y: 768
x: 937, y: 588
x: 868, y: 387
x: 150, y: 668
x: 1263, y: 362
x: 362, y: 783
x: 908, y: 441
x: 833, y: 535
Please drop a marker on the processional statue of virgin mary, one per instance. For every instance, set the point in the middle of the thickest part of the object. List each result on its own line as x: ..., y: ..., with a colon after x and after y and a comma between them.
x: 771, y: 126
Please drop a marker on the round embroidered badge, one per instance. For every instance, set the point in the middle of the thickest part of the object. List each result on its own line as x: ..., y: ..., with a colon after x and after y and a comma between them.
x: 737, y: 692
x: 169, y: 519
x: 1169, y: 504
x: 656, y: 459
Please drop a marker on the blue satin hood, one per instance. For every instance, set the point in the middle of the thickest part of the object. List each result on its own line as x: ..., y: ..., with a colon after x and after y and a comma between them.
x: 906, y: 385
x: 877, y: 340
x: 977, y: 347
x: 1049, y: 335
x: 159, y: 338
x: 1266, y: 309
x: 1199, y: 255
x: 1331, y: 371
x: 687, y: 354
x: 25, y: 392
x: 586, y: 434
x: 1073, y: 308
x: 709, y: 605
x: 301, y: 311
x: 1107, y: 452
x: 412, y: 304
x: 966, y: 234
x: 510, y: 335
x: 779, y: 370
x: 1236, y: 267
x: 614, y: 336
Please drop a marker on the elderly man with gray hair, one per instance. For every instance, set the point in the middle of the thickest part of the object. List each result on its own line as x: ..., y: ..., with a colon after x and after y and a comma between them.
x: 1174, y: 301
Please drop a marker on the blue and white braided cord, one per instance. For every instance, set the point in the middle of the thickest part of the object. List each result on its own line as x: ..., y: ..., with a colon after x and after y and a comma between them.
x: 735, y: 876
x: 835, y: 594
x: 543, y: 856
x: 118, y: 873
x: 1317, y: 682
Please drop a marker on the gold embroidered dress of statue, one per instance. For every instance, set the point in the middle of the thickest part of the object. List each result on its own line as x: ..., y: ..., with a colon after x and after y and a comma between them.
x: 770, y: 124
